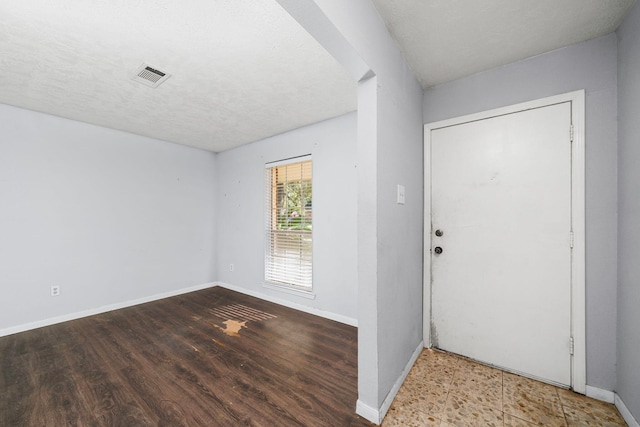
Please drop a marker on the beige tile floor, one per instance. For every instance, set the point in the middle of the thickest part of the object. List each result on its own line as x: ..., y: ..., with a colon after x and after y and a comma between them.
x: 447, y: 390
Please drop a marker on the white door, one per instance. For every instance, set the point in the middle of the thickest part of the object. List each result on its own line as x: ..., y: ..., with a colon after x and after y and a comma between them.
x: 501, y: 200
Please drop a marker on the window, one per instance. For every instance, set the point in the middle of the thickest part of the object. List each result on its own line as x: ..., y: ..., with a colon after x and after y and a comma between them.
x: 289, y: 249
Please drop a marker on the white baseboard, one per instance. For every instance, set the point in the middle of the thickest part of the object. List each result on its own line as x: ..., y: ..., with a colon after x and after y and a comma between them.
x: 367, y: 412
x: 90, y: 312
x: 377, y: 415
x: 612, y: 397
x: 98, y: 310
x: 600, y: 394
x: 315, y: 311
x: 396, y: 387
x: 626, y: 414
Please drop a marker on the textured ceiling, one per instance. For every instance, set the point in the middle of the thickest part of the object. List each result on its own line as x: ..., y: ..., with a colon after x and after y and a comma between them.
x: 444, y: 40
x: 241, y: 70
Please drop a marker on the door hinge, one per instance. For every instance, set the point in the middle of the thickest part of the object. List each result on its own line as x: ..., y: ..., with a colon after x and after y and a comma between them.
x: 571, y: 239
x: 571, y: 345
x: 571, y: 133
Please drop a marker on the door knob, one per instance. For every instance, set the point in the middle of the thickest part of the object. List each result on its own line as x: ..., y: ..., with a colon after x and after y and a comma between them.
x: 437, y: 250
x: 439, y: 233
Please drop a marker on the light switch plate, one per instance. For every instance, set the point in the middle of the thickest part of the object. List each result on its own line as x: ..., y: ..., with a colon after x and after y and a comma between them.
x: 400, y: 194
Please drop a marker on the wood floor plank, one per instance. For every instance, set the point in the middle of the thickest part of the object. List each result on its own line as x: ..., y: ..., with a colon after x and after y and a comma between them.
x: 177, y: 362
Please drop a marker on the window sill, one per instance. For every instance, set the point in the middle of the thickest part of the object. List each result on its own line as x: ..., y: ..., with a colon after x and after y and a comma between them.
x: 289, y: 290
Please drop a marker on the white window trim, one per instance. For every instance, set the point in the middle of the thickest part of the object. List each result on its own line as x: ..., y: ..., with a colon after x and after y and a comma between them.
x: 291, y: 289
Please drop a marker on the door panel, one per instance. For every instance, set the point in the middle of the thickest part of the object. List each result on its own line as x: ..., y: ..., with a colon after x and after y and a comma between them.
x: 501, y: 195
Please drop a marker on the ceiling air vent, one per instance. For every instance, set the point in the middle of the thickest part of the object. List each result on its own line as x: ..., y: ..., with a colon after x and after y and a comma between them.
x: 150, y: 76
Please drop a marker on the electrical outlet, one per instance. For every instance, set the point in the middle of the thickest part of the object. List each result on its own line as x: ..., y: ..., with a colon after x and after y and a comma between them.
x: 230, y: 267
x: 55, y: 290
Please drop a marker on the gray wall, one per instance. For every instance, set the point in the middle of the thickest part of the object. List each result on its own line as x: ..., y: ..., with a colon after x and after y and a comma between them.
x: 591, y: 66
x: 400, y: 154
x: 628, y: 369
x: 109, y: 216
x: 240, y: 216
x: 389, y: 235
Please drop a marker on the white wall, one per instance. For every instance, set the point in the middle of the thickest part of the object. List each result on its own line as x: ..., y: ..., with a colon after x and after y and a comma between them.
x: 591, y: 66
x: 628, y: 386
x: 109, y: 216
x: 390, y: 235
x: 240, y: 217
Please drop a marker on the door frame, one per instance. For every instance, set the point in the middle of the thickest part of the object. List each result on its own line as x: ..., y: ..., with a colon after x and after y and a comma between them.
x: 578, y: 262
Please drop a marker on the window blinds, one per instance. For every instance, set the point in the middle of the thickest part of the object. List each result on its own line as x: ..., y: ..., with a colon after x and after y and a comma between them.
x: 289, y: 245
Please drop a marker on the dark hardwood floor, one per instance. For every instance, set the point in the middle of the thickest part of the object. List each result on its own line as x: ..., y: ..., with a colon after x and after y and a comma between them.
x: 189, y: 360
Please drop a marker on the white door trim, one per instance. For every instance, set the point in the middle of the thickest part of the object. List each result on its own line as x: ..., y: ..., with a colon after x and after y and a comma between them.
x: 578, y: 293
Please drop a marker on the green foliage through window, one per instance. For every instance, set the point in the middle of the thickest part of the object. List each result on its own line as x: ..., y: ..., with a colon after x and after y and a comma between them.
x: 294, y: 204
x: 289, y: 223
